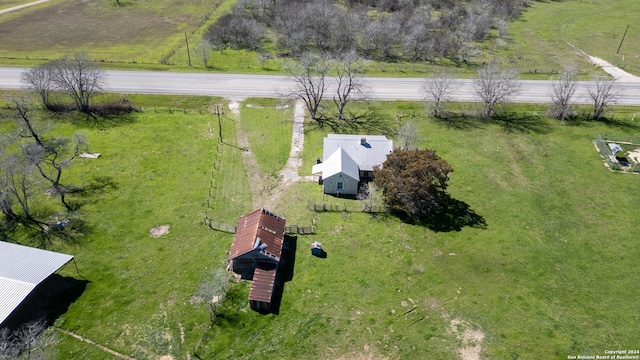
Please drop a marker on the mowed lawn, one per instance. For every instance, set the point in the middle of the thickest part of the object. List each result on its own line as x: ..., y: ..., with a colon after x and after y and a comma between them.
x: 553, y: 273
x: 139, y: 31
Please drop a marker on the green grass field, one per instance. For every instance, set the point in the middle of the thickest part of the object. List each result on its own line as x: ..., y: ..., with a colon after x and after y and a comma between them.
x: 542, y: 35
x: 552, y: 274
x: 150, y: 35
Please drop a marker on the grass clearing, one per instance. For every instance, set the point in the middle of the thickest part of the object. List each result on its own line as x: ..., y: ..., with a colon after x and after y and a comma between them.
x: 541, y: 35
x: 268, y: 124
x: 553, y: 273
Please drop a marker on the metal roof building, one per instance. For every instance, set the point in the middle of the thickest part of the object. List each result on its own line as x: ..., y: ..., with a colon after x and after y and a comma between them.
x: 353, y: 156
x: 22, y: 268
x: 255, y: 254
x: 366, y: 150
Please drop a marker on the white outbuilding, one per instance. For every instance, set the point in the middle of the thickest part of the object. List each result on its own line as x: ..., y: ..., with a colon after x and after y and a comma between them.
x: 22, y: 269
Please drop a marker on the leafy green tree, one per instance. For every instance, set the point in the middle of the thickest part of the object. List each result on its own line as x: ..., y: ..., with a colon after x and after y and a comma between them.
x: 413, y: 181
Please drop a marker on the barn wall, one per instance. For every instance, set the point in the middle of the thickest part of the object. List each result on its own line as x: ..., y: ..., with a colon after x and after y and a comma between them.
x: 350, y: 186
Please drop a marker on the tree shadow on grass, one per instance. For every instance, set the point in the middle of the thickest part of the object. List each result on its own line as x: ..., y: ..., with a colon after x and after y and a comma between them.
x: 459, y: 121
x: 521, y: 122
x: 83, y: 195
x: 451, y: 215
x: 366, y: 122
x: 619, y: 124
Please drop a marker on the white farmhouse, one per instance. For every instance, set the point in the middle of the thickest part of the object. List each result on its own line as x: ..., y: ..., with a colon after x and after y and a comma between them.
x: 348, y: 160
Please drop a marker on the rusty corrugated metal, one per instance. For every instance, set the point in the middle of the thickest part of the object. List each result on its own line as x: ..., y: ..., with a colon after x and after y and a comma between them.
x: 260, y: 223
x: 262, y: 287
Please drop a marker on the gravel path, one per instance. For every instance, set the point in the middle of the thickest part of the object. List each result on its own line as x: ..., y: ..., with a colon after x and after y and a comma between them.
x: 101, y: 347
x: 616, y: 72
x: 265, y: 191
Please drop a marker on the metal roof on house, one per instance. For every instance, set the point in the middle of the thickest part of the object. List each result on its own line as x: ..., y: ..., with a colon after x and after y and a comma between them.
x: 366, y: 150
x: 22, y: 268
x: 262, y: 286
x: 340, y: 162
x: 262, y: 224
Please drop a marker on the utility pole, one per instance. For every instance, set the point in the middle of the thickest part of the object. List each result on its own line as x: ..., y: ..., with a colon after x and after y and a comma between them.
x: 623, y: 36
x: 219, y: 122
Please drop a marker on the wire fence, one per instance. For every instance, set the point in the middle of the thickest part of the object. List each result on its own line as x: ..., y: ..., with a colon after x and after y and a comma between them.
x: 365, y: 207
x: 214, y: 225
x: 602, y: 143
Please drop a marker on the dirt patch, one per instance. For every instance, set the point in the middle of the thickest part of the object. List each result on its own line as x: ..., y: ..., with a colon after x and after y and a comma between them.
x: 234, y: 106
x: 635, y: 156
x: 158, y: 231
x: 368, y: 353
x: 470, y: 338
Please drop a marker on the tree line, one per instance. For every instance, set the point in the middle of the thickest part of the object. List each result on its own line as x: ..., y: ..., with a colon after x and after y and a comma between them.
x: 417, y: 30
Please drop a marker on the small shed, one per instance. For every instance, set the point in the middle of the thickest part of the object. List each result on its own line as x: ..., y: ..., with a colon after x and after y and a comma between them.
x: 255, y: 254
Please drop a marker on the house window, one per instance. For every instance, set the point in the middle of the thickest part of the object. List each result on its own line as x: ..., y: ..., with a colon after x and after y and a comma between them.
x: 339, y: 187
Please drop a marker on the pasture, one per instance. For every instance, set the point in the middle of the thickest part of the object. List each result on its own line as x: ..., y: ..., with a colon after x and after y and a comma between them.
x: 151, y: 35
x: 544, y: 35
x: 136, y: 32
x: 535, y: 256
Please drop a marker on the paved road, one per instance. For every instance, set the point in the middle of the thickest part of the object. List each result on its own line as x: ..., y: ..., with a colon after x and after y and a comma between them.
x: 240, y: 86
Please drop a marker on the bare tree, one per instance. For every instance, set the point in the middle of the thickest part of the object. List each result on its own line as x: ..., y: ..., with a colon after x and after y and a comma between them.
x: 214, y: 290
x: 49, y: 156
x: 80, y: 78
x: 308, y: 78
x: 32, y: 338
x: 349, y: 84
x: 562, y: 91
x: 495, y: 85
x: 40, y: 79
x: 205, y: 47
x: 8, y: 349
x: 28, y: 334
x: 437, y: 89
x: 603, y: 94
x: 408, y: 135
x: 18, y: 184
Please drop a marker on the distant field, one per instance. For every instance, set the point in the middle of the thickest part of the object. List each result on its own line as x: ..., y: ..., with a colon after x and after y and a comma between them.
x: 139, y: 31
x: 144, y: 34
x: 4, y: 4
x: 541, y: 35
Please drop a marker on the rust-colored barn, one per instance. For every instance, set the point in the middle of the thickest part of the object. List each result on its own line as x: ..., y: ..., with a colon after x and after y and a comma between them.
x: 255, y: 254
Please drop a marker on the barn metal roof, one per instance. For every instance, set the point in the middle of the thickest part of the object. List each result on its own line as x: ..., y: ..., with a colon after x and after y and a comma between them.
x: 262, y: 224
x: 262, y: 287
x: 366, y: 150
x: 22, y: 268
